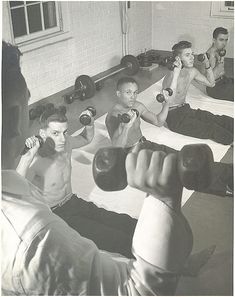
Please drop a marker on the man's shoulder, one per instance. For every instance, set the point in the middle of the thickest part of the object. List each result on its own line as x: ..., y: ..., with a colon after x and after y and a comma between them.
x: 211, y: 51
x: 114, y: 111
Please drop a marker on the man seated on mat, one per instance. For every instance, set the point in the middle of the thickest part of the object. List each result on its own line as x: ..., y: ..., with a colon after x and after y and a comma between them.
x: 44, y: 256
x: 49, y: 168
x: 128, y: 133
x: 180, y: 117
x: 224, y: 86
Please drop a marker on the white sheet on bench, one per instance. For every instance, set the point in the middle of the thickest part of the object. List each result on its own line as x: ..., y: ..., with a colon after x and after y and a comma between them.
x: 130, y: 200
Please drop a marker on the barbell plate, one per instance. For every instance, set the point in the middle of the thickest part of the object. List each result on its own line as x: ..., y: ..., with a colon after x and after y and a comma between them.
x: 86, y: 85
x: 131, y: 64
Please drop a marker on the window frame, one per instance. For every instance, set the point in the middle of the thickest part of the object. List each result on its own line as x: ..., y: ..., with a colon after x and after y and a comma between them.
x: 42, y: 32
x: 219, y: 10
x: 61, y: 33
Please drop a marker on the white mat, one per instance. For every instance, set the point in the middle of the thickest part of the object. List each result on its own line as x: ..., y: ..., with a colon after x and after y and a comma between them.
x: 130, y: 200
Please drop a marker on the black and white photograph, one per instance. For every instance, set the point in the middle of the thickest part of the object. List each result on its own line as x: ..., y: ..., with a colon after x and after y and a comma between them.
x: 117, y: 148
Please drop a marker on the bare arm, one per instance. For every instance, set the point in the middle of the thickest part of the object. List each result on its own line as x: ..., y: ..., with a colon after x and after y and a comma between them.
x: 217, y: 66
x: 84, y: 138
x: 209, y: 80
x: 118, y: 132
x: 23, y: 167
x: 171, y: 81
x: 155, y: 119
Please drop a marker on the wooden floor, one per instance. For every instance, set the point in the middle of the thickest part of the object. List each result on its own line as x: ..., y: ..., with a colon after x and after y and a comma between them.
x: 210, y: 216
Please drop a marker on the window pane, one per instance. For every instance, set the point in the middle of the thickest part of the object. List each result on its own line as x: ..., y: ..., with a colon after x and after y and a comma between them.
x: 18, y: 22
x: 16, y: 3
x: 229, y: 3
x: 49, y: 14
x: 30, y: 2
x: 34, y: 18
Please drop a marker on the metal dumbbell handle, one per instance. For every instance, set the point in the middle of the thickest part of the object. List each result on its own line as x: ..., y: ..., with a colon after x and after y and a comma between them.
x: 26, y: 149
x: 86, y: 115
x: 125, y: 117
x: 222, y: 52
x: 161, y: 98
x: 201, y: 57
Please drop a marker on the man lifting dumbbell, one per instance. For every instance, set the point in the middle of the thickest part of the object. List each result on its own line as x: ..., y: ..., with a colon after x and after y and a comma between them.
x: 48, y: 166
x: 181, y: 118
x: 128, y: 135
x: 224, y: 86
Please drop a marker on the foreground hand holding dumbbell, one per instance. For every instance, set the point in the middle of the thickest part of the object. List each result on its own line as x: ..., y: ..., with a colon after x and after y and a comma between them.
x: 87, y: 115
x: 193, y: 167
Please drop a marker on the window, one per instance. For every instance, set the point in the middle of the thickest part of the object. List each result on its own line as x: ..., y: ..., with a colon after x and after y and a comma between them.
x: 228, y: 6
x: 223, y: 9
x: 33, y: 19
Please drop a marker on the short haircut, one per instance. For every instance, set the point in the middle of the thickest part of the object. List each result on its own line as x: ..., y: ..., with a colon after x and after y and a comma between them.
x: 52, y: 115
x: 125, y: 80
x: 219, y: 30
x: 178, y: 47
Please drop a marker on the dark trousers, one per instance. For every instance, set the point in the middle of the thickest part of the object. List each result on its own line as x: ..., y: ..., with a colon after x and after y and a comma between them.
x: 201, y: 124
x: 223, y: 90
x: 110, y: 231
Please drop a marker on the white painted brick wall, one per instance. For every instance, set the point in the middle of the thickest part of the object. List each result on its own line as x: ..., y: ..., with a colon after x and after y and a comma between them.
x: 96, y: 46
x: 187, y: 20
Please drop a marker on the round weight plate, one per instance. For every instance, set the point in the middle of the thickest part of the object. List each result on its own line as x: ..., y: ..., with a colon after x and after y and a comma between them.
x: 85, y: 85
x: 131, y: 64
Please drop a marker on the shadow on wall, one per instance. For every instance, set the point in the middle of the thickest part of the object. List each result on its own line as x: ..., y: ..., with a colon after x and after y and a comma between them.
x: 115, y: 61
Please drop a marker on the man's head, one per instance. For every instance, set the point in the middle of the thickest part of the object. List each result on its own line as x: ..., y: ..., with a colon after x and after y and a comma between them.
x: 15, y: 96
x: 183, y: 50
x: 54, y: 126
x: 127, y: 91
x: 220, y: 38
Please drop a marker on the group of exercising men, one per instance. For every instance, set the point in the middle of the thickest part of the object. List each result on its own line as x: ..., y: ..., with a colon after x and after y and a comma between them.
x: 55, y: 243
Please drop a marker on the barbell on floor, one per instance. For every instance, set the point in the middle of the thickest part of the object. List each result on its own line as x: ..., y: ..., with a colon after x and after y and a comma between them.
x: 85, y: 86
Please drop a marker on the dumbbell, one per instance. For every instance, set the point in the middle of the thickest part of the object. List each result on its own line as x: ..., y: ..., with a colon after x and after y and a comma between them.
x: 26, y: 149
x: 62, y: 109
x: 161, y: 98
x: 201, y: 57
x: 86, y: 115
x: 49, y: 107
x: 222, y: 52
x: 36, y: 112
x: 194, y: 163
x: 169, y: 62
x: 125, y: 117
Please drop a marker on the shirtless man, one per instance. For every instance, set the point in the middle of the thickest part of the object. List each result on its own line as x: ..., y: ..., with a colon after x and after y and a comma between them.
x: 129, y: 134
x: 224, y: 86
x: 180, y: 117
x: 49, y: 168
